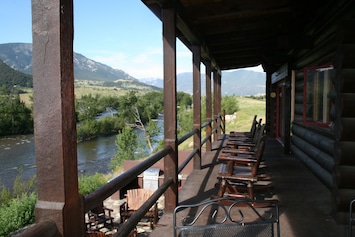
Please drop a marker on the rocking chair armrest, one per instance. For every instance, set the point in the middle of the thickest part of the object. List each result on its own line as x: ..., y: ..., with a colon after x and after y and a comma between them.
x: 238, y: 178
x: 238, y: 151
x: 124, y: 207
x: 239, y: 160
x: 108, y: 209
x: 93, y: 215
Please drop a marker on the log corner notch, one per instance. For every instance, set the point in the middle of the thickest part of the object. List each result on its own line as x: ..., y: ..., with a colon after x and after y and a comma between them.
x: 344, y: 190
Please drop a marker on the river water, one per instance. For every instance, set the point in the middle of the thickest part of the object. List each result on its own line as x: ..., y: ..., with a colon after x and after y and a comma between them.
x: 17, y: 154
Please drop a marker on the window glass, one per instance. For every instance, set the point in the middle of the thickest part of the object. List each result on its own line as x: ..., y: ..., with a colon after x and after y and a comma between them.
x: 317, y: 89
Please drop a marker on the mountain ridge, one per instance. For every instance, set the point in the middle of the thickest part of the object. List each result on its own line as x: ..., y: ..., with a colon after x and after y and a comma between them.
x: 239, y: 82
x: 234, y: 82
x: 19, y: 57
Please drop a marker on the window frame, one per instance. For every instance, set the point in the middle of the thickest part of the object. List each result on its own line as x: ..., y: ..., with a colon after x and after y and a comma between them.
x: 329, y: 86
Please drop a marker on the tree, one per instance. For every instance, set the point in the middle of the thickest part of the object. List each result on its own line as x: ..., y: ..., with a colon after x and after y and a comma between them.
x: 127, y: 144
x: 15, y: 116
x: 230, y: 104
x: 185, y: 121
x: 87, y: 107
x: 183, y: 99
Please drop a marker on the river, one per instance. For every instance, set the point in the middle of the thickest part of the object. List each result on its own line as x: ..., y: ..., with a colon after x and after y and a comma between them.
x: 18, y: 153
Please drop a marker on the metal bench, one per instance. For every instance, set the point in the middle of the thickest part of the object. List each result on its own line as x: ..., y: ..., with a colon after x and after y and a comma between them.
x: 228, y: 217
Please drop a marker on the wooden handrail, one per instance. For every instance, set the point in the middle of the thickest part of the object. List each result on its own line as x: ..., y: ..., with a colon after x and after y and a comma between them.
x: 187, y: 160
x: 44, y: 228
x: 187, y: 136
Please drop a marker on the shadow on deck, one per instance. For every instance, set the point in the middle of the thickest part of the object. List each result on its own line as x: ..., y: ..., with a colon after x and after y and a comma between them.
x: 305, y: 203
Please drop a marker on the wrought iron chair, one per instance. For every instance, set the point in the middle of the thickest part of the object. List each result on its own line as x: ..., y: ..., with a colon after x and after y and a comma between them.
x: 228, y: 217
x: 351, y: 217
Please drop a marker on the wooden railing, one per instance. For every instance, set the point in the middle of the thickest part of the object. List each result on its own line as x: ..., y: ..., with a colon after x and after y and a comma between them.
x: 98, y: 196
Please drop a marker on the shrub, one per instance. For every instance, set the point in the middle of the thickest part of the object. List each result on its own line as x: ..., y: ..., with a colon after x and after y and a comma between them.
x: 17, y: 213
x: 87, y: 129
x: 89, y: 183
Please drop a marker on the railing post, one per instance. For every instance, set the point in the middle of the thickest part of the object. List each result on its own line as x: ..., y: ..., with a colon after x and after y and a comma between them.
x: 196, y: 55
x: 208, y: 106
x: 170, y: 114
x: 54, y: 116
x: 224, y: 121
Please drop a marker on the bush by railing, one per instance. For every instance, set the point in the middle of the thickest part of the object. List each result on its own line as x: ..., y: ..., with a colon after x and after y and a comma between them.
x: 17, y: 213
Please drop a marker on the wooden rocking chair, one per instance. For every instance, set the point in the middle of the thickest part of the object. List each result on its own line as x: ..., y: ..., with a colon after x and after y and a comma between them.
x: 135, y: 199
x: 238, y: 175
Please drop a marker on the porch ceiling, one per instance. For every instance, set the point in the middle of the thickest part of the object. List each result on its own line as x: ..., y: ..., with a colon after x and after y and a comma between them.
x: 238, y: 33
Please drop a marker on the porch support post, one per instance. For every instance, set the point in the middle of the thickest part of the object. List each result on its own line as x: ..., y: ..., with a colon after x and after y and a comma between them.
x: 270, y: 106
x: 215, y: 102
x: 54, y: 116
x: 218, y: 101
x: 208, y: 105
x: 196, y: 71
x: 170, y: 123
x: 268, y: 114
x: 287, y: 98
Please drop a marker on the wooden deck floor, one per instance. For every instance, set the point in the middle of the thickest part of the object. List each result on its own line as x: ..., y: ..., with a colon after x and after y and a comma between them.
x: 305, y: 203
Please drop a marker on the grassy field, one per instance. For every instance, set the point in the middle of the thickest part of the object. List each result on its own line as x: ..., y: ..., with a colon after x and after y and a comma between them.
x: 247, y: 109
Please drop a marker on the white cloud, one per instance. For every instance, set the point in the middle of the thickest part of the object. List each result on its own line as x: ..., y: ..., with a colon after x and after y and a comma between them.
x: 256, y: 69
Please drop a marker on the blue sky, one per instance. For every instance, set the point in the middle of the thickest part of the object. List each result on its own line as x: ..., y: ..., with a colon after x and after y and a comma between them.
x: 123, y: 34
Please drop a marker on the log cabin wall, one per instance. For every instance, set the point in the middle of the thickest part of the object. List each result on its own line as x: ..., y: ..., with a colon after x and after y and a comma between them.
x: 328, y: 150
x: 344, y: 128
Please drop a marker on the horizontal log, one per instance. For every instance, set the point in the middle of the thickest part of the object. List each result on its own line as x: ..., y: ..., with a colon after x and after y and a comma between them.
x: 299, y: 75
x: 298, y: 118
x: 345, y: 129
x: 347, y: 101
x: 299, y: 109
x: 346, y: 80
x: 345, y: 56
x: 323, y: 143
x: 344, y: 154
x: 299, y: 98
x: 324, y: 176
x: 299, y: 86
x: 345, y: 32
x: 323, y: 159
x: 345, y: 177
x: 342, y: 198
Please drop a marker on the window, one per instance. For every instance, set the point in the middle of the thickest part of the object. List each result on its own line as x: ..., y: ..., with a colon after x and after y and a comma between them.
x: 316, y: 105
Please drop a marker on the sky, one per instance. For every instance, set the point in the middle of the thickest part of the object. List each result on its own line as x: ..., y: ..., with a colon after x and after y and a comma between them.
x: 123, y: 34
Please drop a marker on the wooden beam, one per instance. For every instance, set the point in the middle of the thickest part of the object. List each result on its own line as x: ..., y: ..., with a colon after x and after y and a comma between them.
x: 208, y: 104
x: 54, y: 116
x: 196, y: 55
x: 170, y: 125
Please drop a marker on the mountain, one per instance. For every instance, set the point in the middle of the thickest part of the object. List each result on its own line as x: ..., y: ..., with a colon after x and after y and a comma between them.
x: 10, y: 77
x: 158, y: 82
x: 237, y: 82
x: 19, y: 57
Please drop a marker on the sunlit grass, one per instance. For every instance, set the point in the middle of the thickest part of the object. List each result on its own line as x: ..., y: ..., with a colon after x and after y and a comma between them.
x: 248, y: 107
